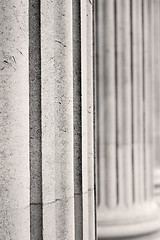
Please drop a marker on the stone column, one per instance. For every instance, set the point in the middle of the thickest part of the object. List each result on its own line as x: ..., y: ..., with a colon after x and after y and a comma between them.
x: 47, y: 120
x: 156, y: 98
x: 125, y: 200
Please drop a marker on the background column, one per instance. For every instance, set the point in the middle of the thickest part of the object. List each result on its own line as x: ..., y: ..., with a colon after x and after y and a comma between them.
x: 125, y: 172
x: 156, y: 98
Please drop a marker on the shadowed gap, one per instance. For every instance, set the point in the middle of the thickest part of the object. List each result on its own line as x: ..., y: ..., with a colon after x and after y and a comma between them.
x: 95, y: 111
x: 116, y: 94
x: 77, y: 120
x: 36, y: 222
x: 132, y: 101
x: 143, y: 55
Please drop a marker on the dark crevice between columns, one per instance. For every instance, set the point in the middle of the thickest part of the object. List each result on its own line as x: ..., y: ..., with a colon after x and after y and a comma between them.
x: 77, y: 120
x: 35, y: 143
x: 132, y: 101
x: 143, y: 55
x: 116, y: 94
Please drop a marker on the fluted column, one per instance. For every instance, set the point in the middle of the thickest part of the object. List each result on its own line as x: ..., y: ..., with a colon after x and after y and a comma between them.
x: 125, y: 199
x: 47, y: 120
x: 156, y: 94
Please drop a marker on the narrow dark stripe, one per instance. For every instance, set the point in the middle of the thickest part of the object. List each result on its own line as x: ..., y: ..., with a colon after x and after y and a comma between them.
x: 132, y: 100
x: 104, y: 80
x: 95, y: 112
x: 143, y: 54
x: 36, y: 222
x: 77, y: 120
x: 97, y: 107
x: 116, y: 94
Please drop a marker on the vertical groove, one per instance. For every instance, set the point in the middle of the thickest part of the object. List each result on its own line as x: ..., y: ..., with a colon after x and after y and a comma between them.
x: 35, y: 120
x: 97, y: 105
x: 95, y: 113
x: 132, y: 102
x: 116, y: 95
x: 158, y: 86
x: 77, y: 120
x: 143, y: 46
x: 153, y: 95
x: 104, y: 98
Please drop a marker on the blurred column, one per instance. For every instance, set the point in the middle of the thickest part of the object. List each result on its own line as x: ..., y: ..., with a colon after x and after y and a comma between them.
x: 125, y: 172
x: 156, y: 98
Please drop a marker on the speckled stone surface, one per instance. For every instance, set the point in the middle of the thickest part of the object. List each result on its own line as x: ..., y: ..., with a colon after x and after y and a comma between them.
x: 14, y: 121
x: 46, y: 121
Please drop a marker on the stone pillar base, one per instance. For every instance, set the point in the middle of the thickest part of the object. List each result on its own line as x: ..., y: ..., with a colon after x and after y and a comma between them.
x: 138, y: 221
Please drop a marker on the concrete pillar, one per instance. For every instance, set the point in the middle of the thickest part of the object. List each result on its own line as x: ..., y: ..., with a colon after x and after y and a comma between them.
x: 47, y: 120
x: 125, y: 200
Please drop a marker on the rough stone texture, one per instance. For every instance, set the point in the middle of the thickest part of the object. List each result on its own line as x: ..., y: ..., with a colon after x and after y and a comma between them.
x: 46, y: 125
x: 14, y: 121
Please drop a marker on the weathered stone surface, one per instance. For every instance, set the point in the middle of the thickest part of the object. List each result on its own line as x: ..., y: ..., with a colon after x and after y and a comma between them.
x: 14, y: 121
x: 46, y: 122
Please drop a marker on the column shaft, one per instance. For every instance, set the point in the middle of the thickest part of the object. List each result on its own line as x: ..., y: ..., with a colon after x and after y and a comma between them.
x: 125, y: 75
